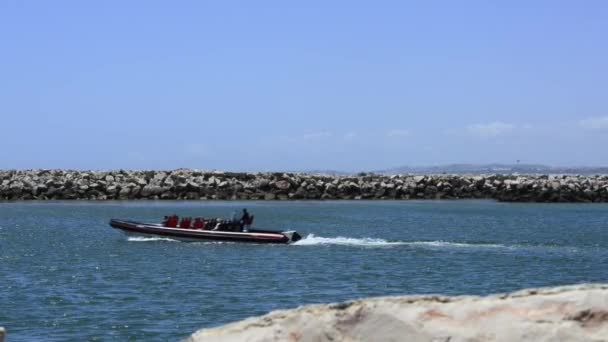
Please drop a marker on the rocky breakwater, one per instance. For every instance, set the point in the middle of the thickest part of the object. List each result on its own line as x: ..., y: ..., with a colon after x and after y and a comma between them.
x: 195, y: 185
x: 570, y: 313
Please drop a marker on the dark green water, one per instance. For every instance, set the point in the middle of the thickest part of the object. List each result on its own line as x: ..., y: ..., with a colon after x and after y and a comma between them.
x: 66, y: 275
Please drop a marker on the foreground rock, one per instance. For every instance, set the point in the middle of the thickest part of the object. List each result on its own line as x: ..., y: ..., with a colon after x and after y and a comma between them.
x: 570, y: 313
x: 196, y: 184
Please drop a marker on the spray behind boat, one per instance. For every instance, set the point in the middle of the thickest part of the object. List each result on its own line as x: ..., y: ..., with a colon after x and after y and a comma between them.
x: 292, y: 235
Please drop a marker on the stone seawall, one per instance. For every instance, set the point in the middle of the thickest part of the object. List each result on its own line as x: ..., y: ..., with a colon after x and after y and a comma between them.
x: 195, y: 185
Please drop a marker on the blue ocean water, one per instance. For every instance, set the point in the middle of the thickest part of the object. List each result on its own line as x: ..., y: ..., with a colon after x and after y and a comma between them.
x: 66, y: 275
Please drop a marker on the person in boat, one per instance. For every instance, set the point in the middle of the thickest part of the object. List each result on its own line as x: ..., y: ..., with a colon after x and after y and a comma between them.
x: 170, y: 221
x: 217, y: 224
x: 199, y: 223
x: 245, y: 221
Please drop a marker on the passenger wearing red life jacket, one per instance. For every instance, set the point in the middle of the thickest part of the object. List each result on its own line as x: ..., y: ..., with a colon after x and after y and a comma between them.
x: 171, y: 221
x: 185, y: 223
x: 198, y: 223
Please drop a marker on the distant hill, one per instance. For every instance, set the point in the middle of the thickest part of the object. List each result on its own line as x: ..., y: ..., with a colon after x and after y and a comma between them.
x: 324, y: 172
x: 496, y: 168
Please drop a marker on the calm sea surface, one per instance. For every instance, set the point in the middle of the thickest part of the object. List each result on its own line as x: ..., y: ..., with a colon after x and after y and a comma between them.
x: 66, y: 275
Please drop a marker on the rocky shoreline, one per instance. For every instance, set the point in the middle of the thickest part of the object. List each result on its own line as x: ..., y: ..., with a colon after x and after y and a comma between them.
x: 186, y: 184
x: 568, y: 313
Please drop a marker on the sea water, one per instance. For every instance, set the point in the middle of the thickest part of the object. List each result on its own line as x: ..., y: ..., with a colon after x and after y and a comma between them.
x: 66, y: 275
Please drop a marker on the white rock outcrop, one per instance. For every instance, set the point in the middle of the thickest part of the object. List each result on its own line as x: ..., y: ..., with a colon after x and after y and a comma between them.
x: 568, y: 313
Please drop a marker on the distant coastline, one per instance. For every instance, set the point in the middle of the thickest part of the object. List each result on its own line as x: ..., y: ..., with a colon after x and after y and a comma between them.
x: 497, y: 168
x: 186, y: 184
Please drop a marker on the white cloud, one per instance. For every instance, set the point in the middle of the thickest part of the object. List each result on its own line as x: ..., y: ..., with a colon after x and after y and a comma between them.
x: 527, y: 126
x: 350, y: 136
x: 317, y: 135
x: 398, y: 133
x: 490, y: 130
x: 594, y: 123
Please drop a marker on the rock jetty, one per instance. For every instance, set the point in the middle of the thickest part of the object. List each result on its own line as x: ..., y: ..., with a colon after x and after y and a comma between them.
x: 215, y: 185
x: 570, y: 313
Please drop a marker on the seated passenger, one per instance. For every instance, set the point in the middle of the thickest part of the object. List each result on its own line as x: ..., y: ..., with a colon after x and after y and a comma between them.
x: 218, y: 225
x: 172, y: 221
x: 198, y: 223
x: 185, y: 223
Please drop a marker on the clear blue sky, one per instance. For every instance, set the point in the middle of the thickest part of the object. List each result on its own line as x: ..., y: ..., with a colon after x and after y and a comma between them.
x: 275, y: 85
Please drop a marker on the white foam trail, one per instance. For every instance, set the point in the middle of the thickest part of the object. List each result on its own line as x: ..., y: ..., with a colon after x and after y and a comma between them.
x: 147, y: 239
x: 312, y: 240
x: 455, y: 244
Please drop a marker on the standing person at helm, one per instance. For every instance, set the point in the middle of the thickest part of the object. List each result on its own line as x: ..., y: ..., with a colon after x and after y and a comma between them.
x: 245, y: 221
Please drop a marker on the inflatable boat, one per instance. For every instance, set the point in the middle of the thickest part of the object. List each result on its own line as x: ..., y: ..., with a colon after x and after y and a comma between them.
x: 221, y: 231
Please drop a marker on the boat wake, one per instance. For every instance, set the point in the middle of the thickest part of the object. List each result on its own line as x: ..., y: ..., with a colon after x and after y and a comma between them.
x: 148, y: 239
x: 313, y: 240
x: 456, y: 244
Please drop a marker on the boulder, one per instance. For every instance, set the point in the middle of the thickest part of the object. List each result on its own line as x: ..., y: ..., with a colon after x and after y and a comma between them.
x: 123, y: 193
x: 16, y: 187
x: 151, y: 190
x: 140, y: 181
x: 418, y: 179
x: 282, y: 185
x: 568, y: 313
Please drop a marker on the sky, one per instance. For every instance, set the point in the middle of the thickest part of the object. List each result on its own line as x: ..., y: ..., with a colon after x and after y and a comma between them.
x: 310, y: 85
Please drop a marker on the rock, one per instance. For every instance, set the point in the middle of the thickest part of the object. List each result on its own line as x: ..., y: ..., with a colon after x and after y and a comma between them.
x: 418, y: 179
x: 124, y: 193
x: 262, y: 184
x: 40, y: 188
x: 330, y: 188
x: 168, y: 182
x: 569, y: 313
x: 300, y: 193
x: 379, y: 193
x: 282, y: 185
x: 151, y: 190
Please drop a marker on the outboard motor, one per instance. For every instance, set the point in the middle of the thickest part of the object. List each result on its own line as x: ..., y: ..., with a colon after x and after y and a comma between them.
x: 292, y: 235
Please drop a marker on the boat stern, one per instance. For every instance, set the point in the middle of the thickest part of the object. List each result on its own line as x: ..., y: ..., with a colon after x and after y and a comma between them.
x: 292, y: 236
